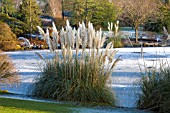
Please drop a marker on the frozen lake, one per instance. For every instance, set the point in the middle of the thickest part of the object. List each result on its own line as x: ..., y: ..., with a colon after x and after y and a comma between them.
x: 125, y: 77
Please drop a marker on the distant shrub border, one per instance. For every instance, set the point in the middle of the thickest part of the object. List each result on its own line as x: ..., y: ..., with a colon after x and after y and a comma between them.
x: 155, y: 86
x: 9, y: 45
x: 83, y: 76
x: 4, y: 92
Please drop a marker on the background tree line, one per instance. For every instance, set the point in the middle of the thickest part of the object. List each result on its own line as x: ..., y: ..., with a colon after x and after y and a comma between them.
x: 152, y: 15
x: 24, y: 15
x: 16, y: 19
x: 21, y: 15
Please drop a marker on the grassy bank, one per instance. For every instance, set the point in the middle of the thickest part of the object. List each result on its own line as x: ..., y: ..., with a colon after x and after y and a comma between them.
x: 23, y: 106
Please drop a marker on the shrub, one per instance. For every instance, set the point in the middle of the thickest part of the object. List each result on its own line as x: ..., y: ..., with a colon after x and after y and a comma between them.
x: 155, y: 87
x: 6, y: 33
x: 9, y: 45
x: 83, y: 76
x: 7, y: 73
x: 7, y: 38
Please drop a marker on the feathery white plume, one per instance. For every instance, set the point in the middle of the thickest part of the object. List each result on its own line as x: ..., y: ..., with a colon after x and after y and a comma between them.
x: 41, y: 31
x: 109, y: 45
x: 39, y: 55
x: 116, y: 28
x: 67, y: 23
x: 55, y: 36
x: 48, y: 39
x: 111, y: 26
x: 108, y: 26
x: 64, y: 51
x: 26, y: 41
x: 165, y: 31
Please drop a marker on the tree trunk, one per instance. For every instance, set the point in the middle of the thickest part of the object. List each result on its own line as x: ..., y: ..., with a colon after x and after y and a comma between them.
x: 136, y: 33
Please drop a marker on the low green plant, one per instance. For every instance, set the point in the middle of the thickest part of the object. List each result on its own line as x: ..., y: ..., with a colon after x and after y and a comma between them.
x: 8, y: 105
x: 117, y: 42
x: 83, y: 76
x: 155, y: 86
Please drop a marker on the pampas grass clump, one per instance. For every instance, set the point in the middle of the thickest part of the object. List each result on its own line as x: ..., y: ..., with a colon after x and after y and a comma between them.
x: 7, y: 72
x: 155, y: 87
x: 83, y: 76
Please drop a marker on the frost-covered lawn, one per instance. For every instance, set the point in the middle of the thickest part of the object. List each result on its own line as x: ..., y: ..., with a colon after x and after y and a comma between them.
x: 22, y: 106
x: 125, y: 76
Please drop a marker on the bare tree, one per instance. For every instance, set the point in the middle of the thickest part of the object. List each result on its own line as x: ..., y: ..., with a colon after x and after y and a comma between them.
x: 55, y: 7
x: 138, y: 11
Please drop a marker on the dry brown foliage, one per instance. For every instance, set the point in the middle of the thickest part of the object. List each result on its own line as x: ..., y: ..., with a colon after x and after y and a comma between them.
x: 8, y: 40
x: 7, y: 70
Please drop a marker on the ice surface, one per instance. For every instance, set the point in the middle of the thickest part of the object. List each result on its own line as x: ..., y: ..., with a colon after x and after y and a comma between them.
x: 125, y: 77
